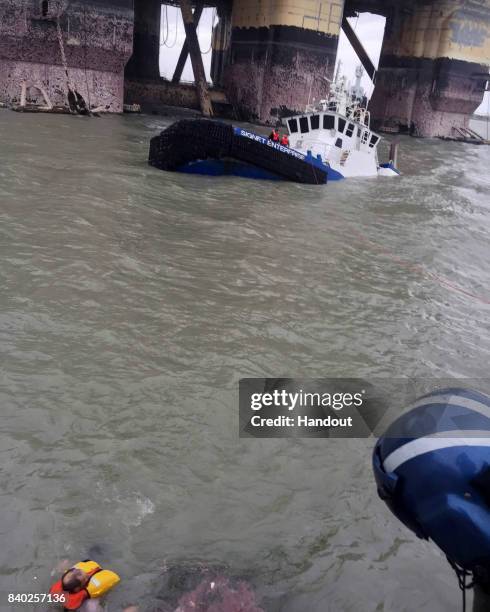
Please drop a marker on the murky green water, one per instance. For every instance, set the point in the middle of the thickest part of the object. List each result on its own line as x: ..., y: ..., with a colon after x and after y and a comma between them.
x: 131, y: 303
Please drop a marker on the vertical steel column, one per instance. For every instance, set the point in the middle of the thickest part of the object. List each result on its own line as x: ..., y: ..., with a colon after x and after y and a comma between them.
x: 144, y: 63
x: 221, y: 44
x: 428, y: 78
x: 278, y: 55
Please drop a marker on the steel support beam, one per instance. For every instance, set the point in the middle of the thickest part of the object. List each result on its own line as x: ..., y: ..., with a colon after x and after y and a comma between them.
x: 196, y: 58
x: 358, y: 48
x: 185, y: 47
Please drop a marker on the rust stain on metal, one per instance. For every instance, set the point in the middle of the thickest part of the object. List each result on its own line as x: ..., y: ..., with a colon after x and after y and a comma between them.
x: 98, y: 41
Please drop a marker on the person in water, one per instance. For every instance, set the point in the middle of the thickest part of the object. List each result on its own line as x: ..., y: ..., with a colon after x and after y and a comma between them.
x: 82, y: 584
x: 74, y: 582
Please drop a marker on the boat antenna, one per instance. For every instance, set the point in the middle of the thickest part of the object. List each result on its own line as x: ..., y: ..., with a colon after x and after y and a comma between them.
x: 368, y: 100
x: 309, y: 93
x: 487, y: 89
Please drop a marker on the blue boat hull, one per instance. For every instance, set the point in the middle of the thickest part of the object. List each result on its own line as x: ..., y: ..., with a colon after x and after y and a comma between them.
x: 222, y: 167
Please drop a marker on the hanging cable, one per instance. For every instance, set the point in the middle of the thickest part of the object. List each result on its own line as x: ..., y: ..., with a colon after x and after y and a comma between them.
x: 213, y: 19
x: 488, y: 108
x: 462, y: 574
x: 165, y: 27
x: 85, y: 49
x: 357, y: 19
x: 176, y: 28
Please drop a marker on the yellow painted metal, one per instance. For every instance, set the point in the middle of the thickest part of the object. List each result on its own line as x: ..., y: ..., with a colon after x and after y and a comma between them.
x: 319, y: 15
x: 454, y: 29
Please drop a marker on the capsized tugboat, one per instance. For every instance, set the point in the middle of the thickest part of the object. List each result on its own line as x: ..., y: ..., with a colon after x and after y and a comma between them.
x: 203, y: 146
x: 337, y: 130
x: 329, y: 141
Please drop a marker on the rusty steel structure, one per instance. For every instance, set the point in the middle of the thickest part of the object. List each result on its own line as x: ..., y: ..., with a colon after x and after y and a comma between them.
x: 268, y: 56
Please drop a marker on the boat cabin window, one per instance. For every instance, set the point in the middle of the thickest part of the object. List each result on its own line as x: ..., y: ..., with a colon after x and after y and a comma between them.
x: 332, y: 106
x: 328, y: 122
x: 350, y: 130
x: 303, y: 125
x: 341, y: 124
x: 338, y: 143
x: 374, y: 140
x: 358, y: 132
x: 365, y: 137
x: 293, y: 126
x: 315, y: 122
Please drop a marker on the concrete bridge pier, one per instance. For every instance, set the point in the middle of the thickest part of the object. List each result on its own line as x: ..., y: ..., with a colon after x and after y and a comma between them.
x: 280, y: 55
x: 432, y: 66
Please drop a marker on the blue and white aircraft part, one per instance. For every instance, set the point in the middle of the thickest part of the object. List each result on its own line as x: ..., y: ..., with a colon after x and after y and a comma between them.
x: 432, y: 468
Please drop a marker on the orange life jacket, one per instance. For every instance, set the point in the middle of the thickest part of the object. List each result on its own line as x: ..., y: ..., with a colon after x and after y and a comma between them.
x: 285, y: 140
x: 73, y: 601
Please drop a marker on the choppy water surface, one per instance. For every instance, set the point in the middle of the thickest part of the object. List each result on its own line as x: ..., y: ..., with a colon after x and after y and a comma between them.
x: 133, y: 300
